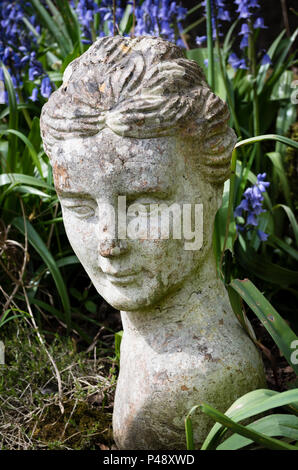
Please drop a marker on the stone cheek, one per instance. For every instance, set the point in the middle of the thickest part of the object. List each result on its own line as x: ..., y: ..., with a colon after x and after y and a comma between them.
x: 134, y: 117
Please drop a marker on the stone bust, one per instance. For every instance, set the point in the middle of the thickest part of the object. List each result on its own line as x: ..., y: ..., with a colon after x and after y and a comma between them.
x: 135, y: 121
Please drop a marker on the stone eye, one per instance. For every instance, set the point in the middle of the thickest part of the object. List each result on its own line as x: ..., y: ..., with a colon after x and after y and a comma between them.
x: 82, y: 211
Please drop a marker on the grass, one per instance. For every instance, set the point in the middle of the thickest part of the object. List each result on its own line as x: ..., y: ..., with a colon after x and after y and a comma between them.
x: 30, y: 413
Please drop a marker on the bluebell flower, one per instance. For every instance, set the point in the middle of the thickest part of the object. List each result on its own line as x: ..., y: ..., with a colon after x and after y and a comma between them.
x: 243, y: 11
x: 219, y: 13
x: 262, y: 184
x: 244, y: 29
x: 266, y: 59
x: 46, y: 87
x: 243, y: 206
x: 248, y: 10
x: 253, y: 4
x: 236, y: 62
x: 252, y: 205
x: 244, y: 42
x: 262, y: 235
x: 223, y: 15
x: 158, y: 18
x: 259, y: 23
x: 86, y: 10
x: 34, y: 94
x: 181, y: 13
x: 200, y: 40
x: 251, y: 219
x: 18, y: 43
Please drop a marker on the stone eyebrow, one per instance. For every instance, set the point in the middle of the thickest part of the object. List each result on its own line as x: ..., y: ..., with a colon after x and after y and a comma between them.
x: 139, y: 191
x: 73, y: 195
x: 130, y: 192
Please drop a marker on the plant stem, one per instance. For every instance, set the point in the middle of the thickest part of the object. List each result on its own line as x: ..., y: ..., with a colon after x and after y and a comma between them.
x: 193, y: 25
x: 231, y: 106
x: 24, y: 110
x: 114, y: 17
x: 231, y: 203
x: 285, y: 17
x: 192, y: 10
x: 229, y: 99
x: 256, y: 114
x: 210, y: 45
x: 133, y: 18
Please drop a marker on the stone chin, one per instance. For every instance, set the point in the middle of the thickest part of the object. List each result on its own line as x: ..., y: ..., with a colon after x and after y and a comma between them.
x: 132, y: 298
x: 128, y: 298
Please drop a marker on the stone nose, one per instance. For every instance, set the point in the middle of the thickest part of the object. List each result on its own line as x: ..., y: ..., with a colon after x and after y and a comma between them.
x: 112, y: 247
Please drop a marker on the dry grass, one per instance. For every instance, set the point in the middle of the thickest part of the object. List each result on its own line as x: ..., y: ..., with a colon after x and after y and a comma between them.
x: 30, y: 408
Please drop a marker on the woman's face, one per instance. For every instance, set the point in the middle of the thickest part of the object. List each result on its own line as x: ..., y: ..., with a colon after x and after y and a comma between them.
x: 90, y: 174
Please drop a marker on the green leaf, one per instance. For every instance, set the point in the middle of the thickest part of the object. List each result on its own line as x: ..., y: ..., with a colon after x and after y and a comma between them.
x: 291, y: 218
x: 237, y: 307
x: 193, y: 9
x: 262, y: 267
x: 260, y: 138
x: 56, y: 313
x: 220, y: 226
x: 282, y: 91
x: 90, y: 306
x: 76, y: 293
x: 193, y: 25
x: 276, y: 159
x: 199, y: 55
x: 125, y: 19
x: 27, y: 142
x: 38, y: 244
x: 6, y: 318
x: 246, y: 431
x: 35, y: 138
x: 11, y: 161
x: 28, y: 190
x: 261, y: 76
x: 188, y: 430
x: 20, y: 107
x: 282, y: 62
x: 272, y: 321
x: 18, y: 178
x: 58, y: 76
x: 273, y: 425
x: 284, y: 246
x: 118, y: 339
x: 63, y: 39
x: 228, y: 38
x: 59, y: 19
x: 251, y: 404
x: 67, y: 260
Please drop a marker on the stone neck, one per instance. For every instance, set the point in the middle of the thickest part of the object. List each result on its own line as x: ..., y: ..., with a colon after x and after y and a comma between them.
x: 194, y: 302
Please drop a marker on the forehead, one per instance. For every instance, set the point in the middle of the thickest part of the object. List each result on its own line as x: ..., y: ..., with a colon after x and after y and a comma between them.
x: 107, y: 161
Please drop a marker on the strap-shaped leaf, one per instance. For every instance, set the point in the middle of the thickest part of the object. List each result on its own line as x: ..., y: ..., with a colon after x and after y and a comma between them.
x: 38, y: 244
x: 282, y: 334
x: 273, y: 426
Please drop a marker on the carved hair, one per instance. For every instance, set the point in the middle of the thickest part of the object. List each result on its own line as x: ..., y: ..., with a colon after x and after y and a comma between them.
x: 141, y: 88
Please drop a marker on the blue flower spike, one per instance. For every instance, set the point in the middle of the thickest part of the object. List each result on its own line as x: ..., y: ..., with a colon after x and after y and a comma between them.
x: 252, y: 205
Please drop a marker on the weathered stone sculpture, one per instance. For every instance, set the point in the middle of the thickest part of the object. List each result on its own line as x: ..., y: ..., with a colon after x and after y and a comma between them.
x: 135, y: 122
